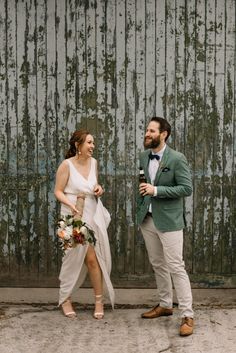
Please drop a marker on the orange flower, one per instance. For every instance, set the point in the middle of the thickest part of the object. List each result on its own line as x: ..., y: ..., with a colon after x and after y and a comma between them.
x: 61, y: 234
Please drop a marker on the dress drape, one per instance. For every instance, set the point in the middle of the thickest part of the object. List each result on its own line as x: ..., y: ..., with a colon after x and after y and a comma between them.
x: 96, y: 216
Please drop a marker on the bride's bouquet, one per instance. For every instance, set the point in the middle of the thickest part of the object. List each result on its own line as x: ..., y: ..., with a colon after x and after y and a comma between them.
x: 73, y: 232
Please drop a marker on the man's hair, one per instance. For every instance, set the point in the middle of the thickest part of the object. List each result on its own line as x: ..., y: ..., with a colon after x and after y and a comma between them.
x: 164, y: 125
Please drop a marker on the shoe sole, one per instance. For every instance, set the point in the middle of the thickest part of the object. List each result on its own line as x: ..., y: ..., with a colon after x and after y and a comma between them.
x: 155, y: 317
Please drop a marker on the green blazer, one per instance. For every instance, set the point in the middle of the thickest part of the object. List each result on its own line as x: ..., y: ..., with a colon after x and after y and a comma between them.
x: 174, y: 182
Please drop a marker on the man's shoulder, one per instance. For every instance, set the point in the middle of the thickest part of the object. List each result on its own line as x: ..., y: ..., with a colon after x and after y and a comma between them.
x: 144, y: 154
x: 175, y: 154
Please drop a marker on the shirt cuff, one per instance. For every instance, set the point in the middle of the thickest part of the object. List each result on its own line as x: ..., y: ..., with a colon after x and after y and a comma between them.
x: 155, y: 191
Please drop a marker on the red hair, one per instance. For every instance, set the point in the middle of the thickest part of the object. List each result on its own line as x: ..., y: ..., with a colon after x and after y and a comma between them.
x: 78, y: 136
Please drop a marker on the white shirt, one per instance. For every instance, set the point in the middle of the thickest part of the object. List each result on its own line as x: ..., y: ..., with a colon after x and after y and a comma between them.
x: 152, y: 169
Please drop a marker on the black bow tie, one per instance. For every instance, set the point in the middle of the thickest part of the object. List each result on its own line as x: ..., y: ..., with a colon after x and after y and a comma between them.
x: 153, y: 156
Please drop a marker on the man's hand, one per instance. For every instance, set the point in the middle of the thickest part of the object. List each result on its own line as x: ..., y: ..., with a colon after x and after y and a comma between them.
x: 146, y: 189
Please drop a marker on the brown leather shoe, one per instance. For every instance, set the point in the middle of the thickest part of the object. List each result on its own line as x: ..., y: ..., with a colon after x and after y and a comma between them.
x: 157, y: 311
x: 186, y: 327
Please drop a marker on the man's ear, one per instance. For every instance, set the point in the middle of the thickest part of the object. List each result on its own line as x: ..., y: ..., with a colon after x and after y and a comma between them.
x: 164, y: 135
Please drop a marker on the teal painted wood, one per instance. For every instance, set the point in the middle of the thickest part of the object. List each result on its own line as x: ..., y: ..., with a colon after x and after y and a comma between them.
x: 110, y: 66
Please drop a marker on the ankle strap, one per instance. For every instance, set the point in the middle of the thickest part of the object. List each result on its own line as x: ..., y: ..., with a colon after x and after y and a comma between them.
x: 98, y: 298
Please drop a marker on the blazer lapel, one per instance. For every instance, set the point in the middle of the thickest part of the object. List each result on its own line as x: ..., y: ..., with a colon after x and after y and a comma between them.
x: 162, y: 164
x: 146, y: 162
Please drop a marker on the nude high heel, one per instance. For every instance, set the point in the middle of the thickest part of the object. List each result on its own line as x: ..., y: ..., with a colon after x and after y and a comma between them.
x: 100, y: 313
x: 67, y: 309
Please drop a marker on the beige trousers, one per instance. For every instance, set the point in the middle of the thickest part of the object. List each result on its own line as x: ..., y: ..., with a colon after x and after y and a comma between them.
x: 165, y: 252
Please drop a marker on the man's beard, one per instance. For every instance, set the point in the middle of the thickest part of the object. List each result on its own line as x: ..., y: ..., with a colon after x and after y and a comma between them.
x: 152, y: 143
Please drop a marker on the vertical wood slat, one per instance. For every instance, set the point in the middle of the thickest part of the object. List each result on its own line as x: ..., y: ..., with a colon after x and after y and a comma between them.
x: 210, y: 125
x: 90, y: 96
x: 100, y: 87
x: 196, y: 110
x: 22, y: 139
x: 150, y: 52
x: 170, y: 66
x: 189, y: 108
x: 228, y: 138
x: 203, y: 151
x: 120, y: 220
x: 140, y: 61
x: 110, y: 101
x: 233, y: 103
x: 82, y: 63
x: 52, y: 133
x: 61, y: 79
x: 160, y: 57
x: 130, y: 121
x: 32, y: 148
x: 179, y: 130
x: 109, y: 66
x: 218, y: 204
x: 42, y: 87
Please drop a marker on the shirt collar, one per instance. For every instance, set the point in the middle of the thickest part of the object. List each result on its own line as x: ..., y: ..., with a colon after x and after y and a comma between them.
x: 160, y: 153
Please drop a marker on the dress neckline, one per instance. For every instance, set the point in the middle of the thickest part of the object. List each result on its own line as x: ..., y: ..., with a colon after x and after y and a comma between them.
x: 87, y: 179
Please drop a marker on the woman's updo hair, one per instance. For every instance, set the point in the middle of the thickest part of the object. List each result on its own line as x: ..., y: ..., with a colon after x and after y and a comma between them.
x: 78, y: 136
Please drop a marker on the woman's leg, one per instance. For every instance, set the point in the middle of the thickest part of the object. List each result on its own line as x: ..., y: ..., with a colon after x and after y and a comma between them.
x: 95, y: 275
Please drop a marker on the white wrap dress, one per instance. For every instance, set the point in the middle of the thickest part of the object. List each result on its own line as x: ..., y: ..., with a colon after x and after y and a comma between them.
x: 95, y: 215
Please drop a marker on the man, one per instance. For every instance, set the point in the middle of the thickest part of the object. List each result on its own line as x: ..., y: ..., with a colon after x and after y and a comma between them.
x: 160, y: 214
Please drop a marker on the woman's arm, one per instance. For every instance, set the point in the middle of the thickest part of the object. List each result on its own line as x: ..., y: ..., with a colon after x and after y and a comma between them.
x: 62, y: 177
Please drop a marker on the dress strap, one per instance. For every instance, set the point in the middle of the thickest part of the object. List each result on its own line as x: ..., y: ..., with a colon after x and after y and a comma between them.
x: 94, y: 165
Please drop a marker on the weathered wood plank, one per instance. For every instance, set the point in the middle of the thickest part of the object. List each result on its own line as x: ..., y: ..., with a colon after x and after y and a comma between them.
x: 130, y: 136
x: 111, y: 104
x: 169, y: 112
x: 121, y: 62
x: 90, y: 96
x: 43, y: 147
x: 139, y: 248
x: 60, y: 72
x: 218, y: 133
x: 19, y: 211
x: 52, y: 136
x: 71, y: 62
x: 3, y: 89
x: 179, y: 128
x: 160, y: 57
x: 198, y: 141
x: 82, y: 62
x: 110, y: 66
x: 150, y: 51
x: 203, y: 137
x: 100, y: 86
x: 32, y: 138
x: 227, y: 147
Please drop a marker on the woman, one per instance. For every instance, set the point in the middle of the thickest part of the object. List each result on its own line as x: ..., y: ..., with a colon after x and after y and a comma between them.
x: 76, y: 174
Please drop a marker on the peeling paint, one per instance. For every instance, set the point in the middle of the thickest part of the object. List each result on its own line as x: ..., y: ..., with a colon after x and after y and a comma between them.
x: 97, y: 64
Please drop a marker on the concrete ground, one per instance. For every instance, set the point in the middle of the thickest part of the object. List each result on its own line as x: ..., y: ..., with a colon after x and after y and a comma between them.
x: 31, y: 322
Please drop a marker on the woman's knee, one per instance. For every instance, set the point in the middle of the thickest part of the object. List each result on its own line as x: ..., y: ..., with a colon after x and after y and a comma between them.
x: 91, y: 262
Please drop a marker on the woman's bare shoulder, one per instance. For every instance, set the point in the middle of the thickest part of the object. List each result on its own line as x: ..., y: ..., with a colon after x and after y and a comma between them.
x: 64, y: 166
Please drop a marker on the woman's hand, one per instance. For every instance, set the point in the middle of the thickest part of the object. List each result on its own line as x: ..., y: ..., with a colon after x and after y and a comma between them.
x: 146, y: 189
x: 74, y: 210
x: 98, y: 190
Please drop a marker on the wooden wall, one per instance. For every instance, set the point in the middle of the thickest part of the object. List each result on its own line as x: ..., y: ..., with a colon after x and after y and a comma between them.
x: 109, y: 66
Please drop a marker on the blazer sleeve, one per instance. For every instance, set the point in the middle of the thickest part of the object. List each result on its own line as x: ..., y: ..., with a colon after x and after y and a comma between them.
x: 182, y: 181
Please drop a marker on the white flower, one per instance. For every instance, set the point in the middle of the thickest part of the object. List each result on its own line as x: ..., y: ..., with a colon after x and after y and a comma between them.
x: 68, y: 232
x: 62, y: 224
x: 84, y: 231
